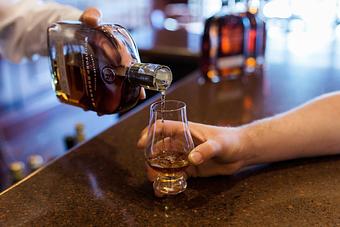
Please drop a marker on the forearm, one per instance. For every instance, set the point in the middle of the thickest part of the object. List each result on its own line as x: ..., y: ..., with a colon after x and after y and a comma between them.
x: 23, y: 31
x: 312, y: 129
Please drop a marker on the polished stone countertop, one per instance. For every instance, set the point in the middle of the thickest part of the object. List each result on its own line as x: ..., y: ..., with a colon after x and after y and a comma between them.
x: 102, y: 181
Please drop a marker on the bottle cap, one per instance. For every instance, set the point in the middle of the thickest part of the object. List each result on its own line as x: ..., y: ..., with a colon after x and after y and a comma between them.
x: 80, y: 136
x: 35, y: 162
x: 79, y: 127
x: 17, y: 170
x: 150, y: 76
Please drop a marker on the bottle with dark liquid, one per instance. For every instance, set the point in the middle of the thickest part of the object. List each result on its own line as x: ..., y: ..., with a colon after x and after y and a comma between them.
x: 257, y: 36
x: 17, y: 171
x: 224, y: 44
x: 99, y: 68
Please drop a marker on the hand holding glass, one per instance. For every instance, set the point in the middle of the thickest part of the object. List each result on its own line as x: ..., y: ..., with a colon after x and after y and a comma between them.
x: 168, y: 145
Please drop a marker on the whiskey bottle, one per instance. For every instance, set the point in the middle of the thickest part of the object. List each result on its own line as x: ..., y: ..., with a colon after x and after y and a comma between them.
x: 17, y: 171
x: 99, y: 68
x: 257, y: 36
x: 80, y: 134
x: 224, y: 44
x: 35, y: 162
x: 69, y: 142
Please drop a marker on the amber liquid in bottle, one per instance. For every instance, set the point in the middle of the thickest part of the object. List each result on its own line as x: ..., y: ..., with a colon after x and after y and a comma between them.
x: 256, y: 39
x: 223, y: 45
x: 231, y: 53
x: 102, y: 100
x: 99, y: 68
x: 209, y: 50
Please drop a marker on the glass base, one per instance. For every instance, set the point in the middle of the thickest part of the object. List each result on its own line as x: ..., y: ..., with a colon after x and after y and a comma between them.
x: 170, y: 184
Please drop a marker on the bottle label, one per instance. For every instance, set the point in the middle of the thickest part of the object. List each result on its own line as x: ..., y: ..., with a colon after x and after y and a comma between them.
x: 108, y: 75
x: 230, y: 61
x: 89, y: 67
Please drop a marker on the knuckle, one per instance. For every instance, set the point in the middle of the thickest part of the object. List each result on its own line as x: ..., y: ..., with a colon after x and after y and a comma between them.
x: 145, y: 131
x: 211, y: 146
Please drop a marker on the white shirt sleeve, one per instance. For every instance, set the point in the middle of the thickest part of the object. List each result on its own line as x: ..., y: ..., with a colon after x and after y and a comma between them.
x: 23, y: 26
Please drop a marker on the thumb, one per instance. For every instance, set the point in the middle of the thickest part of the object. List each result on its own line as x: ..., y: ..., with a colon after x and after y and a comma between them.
x: 204, y: 152
x: 91, y: 16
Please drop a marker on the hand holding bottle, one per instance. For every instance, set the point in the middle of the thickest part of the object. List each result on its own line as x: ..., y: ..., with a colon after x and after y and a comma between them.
x: 92, y: 17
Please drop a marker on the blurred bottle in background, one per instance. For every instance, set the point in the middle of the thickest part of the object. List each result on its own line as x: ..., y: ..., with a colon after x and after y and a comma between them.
x: 69, y: 142
x: 224, y: 43
x: 80, y: 134
x: 35, y: 162
x: 255, y: 47
x: 17, y: 171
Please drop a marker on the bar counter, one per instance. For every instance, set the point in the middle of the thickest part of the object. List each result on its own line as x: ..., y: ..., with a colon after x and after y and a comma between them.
x: 102, y: 181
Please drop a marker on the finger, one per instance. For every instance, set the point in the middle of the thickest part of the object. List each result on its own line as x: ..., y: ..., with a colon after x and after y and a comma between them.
x: 167, y: 144
x: 204, y: 152
x: 198, y: 132
x: 141, y: 144
x: 91, y: 16
x: 166, y: 129
x: 142, y: 94
x: 161, y: 145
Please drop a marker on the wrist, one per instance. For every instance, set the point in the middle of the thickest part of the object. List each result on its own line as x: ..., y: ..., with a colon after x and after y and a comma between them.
x: 248, y: 148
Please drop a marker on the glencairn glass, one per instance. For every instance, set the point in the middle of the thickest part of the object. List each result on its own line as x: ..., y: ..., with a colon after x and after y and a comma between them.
x: 168, y: 144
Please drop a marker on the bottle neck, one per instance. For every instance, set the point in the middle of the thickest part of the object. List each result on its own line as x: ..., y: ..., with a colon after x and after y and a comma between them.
x: 228, y: 3
x: 234, y: 6
x: 150, y: 76
x: 240, y: 6
x: 253, y: 6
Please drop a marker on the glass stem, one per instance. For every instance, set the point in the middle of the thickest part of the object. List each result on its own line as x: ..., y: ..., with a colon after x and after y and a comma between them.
x: 170, y: 184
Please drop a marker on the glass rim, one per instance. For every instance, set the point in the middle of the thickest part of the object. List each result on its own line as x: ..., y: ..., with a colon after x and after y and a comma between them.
x: 154, y: 106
